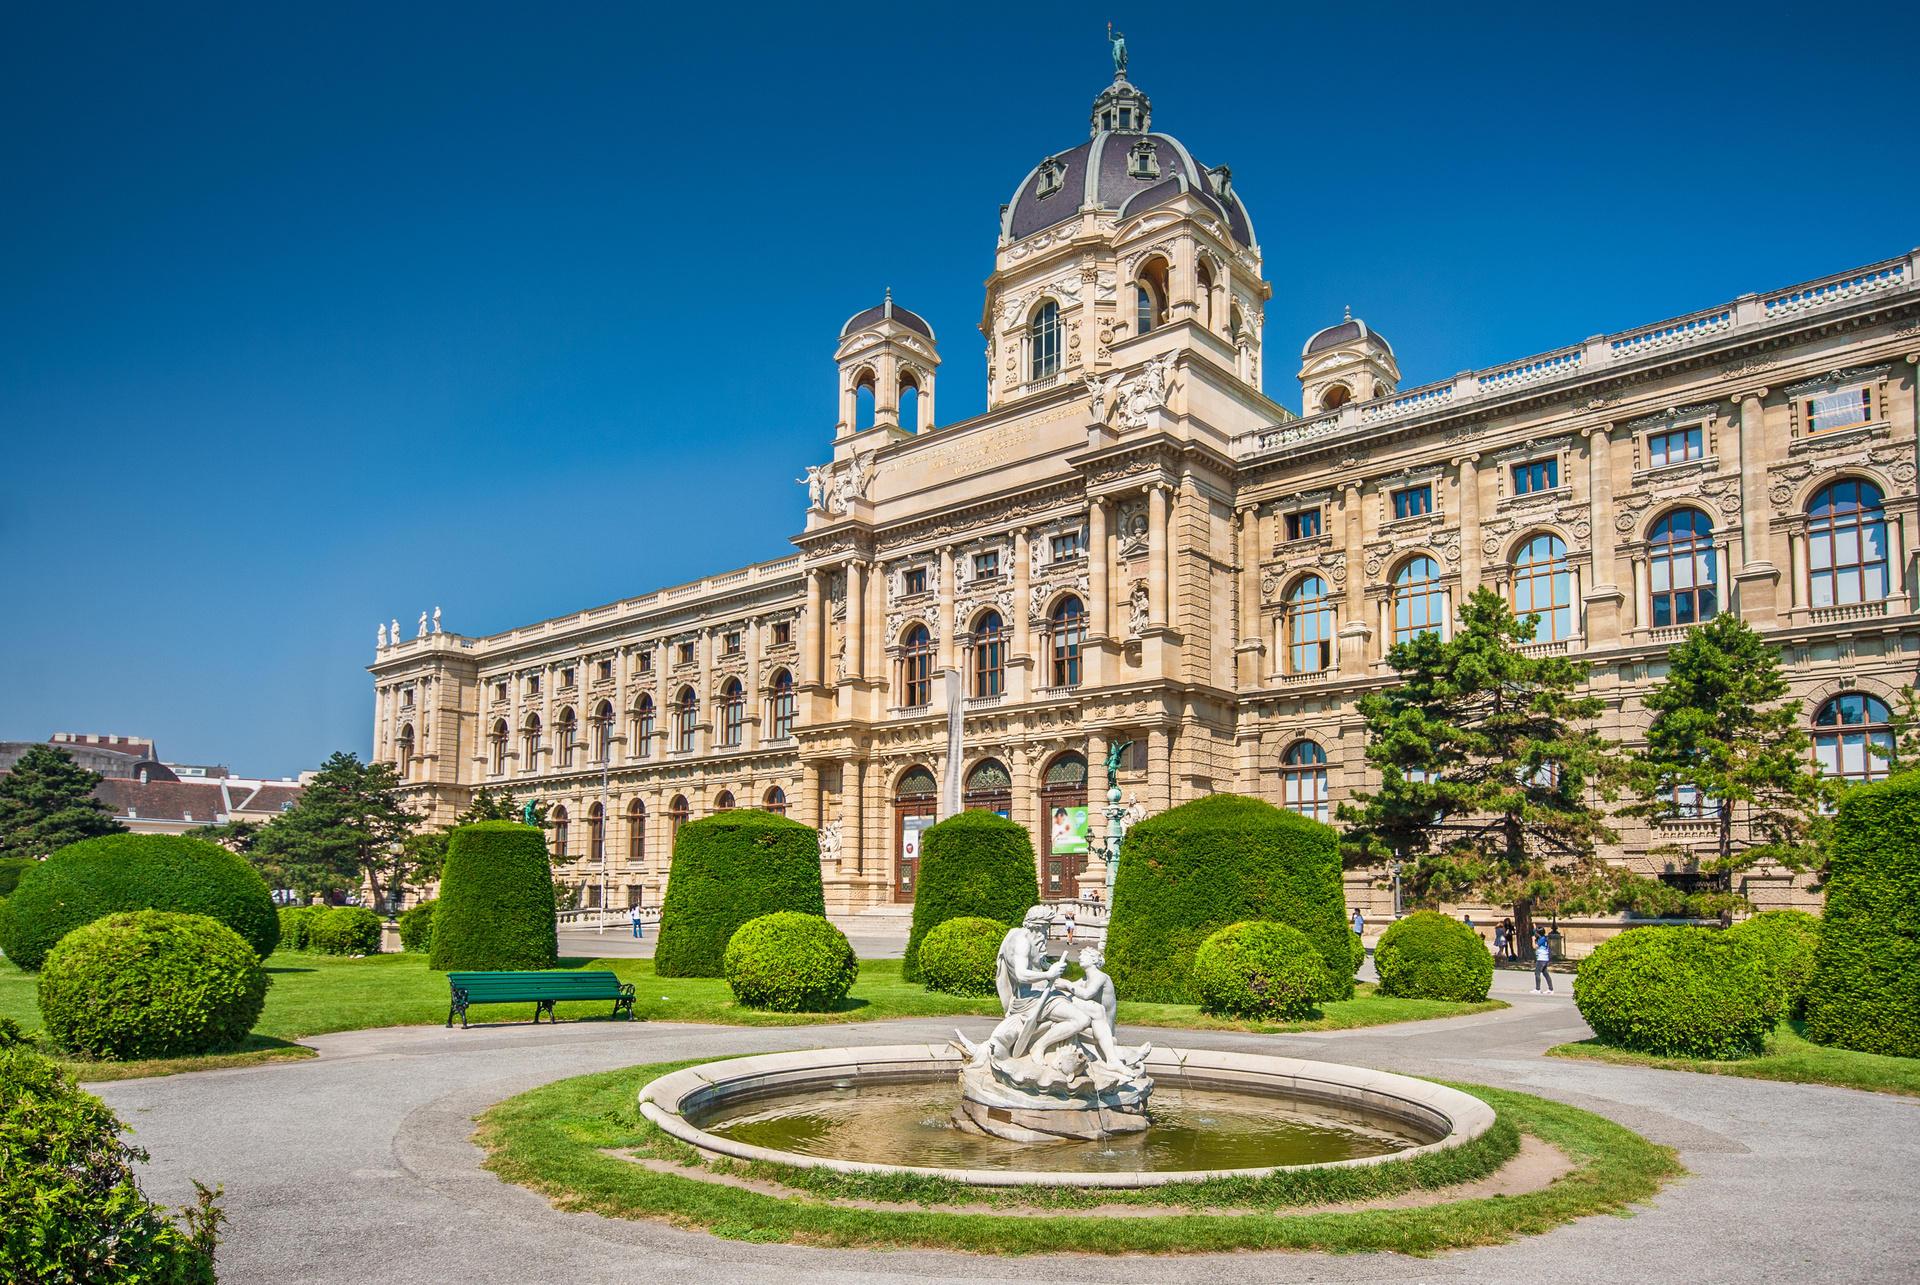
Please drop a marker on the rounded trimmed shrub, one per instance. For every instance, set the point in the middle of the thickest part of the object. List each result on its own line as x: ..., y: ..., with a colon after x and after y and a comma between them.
x: 730, y: 868
x: 151, y: 983
x: 789, y: 962
x: 1428, y: 955
x: 1863, y: 994
x: 116, y: 873
x: 296, y: 925
x: 11, y: 868
x: 1219, y: 860
x: 495, y: 912
x: 416, y: 927
x: 1687, y: 992
x: 345, y: 930
x: 960, y: 956
x: 1259, y: 969
x: 973, y: 864
x: 1789, y: 942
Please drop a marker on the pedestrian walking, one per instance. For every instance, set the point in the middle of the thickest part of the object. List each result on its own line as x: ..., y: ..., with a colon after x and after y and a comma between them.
x: 1359, y: 923
x: 1070, y: 922
x: 1499, y: 941
x: 1540, y: 957
x: 636, y: 921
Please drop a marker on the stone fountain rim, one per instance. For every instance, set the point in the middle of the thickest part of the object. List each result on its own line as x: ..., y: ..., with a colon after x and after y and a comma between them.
x: 662, y: 1100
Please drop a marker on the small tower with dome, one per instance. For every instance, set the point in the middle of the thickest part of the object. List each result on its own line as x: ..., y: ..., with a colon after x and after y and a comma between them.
x: 884, y: 353
x: 1349, y: 362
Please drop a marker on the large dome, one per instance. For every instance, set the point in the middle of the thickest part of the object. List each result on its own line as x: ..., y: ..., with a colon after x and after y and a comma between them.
x: 1123, y: 168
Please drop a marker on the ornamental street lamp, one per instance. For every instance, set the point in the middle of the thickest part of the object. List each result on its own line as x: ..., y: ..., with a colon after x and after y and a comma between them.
x: 1108, y: 848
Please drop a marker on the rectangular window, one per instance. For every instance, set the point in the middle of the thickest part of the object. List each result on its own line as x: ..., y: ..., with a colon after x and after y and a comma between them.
x: 916, y: 581
x: 1676, y: 447
x: 1839, y: 410
x: 1303, y: 525
x: 533, y: 685
x: 782, y: 632
x: 733, y: 644
x: 1413, y: 501
x: 1540, y: 475
x: 499, y: 691
x: 646, y: 662
x: 986, y: 564
x: 686, y: 653
x: 606, y: 669
x: 406, y: 695
x: 566, y: 678
x: 1066, y: 545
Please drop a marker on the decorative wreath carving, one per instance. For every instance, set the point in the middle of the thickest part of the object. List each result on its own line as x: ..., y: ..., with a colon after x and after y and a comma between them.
x: 1623, y: 522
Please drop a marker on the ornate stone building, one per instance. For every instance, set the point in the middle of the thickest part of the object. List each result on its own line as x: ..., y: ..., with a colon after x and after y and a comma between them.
x: 1136, y: 543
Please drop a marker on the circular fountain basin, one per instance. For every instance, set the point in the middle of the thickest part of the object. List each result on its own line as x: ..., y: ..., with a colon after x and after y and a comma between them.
x: 1216, y: 1115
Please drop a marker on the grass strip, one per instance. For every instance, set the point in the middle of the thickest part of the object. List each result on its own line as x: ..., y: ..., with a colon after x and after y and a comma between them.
x: 550, y: 1139
x: 1789, y: 1056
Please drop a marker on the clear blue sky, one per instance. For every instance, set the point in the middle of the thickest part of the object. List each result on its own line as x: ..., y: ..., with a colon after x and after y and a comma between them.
x: 313, y: 315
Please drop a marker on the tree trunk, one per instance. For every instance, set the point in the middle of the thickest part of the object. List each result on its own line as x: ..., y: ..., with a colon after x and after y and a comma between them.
x: 1523, y: 929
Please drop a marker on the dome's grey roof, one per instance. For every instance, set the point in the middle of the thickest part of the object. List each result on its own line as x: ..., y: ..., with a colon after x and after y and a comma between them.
x: 1096, y: 173
x: 1345, y: 333
x: 887, y: 309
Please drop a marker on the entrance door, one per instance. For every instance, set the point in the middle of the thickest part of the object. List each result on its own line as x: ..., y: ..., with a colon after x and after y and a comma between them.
x: 1063, y: 828
x: 915, y: 808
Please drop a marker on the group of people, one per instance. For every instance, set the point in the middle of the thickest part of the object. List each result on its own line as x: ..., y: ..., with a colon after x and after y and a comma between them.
x: 1506, y: 945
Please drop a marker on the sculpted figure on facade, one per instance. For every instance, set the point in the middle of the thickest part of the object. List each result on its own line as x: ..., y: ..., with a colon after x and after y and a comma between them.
x: 816, y: 482
x: 382, y: 636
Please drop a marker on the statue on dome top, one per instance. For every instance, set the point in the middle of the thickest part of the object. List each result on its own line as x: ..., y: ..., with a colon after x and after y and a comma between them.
x: 1118, y: 39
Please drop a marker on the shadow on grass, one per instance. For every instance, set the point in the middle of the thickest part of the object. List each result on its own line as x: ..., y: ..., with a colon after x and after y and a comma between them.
x: 252, y: 1051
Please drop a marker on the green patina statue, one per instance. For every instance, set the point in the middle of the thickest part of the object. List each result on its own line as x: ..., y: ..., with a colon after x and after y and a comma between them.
x: 1119, y: 41
x: 531, y: 812
x: 1115, y: 753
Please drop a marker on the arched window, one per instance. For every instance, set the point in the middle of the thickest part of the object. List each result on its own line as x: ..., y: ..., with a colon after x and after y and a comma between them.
x: 1069, y: 627
x: 558, y: 818
x: 1203, y: 292
x: 1150, y: 297
x: 1309, y: 627
x: 1064, y: 826
x: 775, y: 801
x: 603, y: 732
x: 863, y: 399
x: 686, y: 717
x: 677, y: 814
x: 989, y: 787
x: 989, y: 656
x: 1847, y: 544
x: 1542, y: 583
x: 723, y: 802
x: 406, y: 751
x: 563, y: 736
x: 530, y: 741
x: 499, y: 746
x: 1336, y: 396
x: 1303, y: 780
x: 636, y: 832
x: 1419, y: 601
x: 644, y: 725
x: 782, y: 705
x: 1684, y: 575
x: 1845, y: 731
x: 916, y: 666
x: 1043, y: 340
x: 1144, y: 308
x: 909, y: 401
x: 733, y: 712
x: 596, y: 834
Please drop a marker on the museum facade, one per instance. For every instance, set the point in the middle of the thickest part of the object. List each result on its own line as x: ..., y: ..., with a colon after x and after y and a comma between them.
x: 1136, y: 544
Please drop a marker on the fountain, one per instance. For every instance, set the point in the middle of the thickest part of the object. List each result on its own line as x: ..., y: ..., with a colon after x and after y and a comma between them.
x: 1049, y: 1098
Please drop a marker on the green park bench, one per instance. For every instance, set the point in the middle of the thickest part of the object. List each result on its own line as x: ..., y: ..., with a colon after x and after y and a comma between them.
x: 541, y: 989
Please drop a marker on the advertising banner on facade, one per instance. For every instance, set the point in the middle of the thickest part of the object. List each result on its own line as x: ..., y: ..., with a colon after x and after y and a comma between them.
x: 910, y: 828
x: 1067, y: 830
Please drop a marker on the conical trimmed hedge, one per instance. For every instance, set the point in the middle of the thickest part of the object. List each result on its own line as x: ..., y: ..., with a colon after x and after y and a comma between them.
x: 495, y: 910
x: 972, y: 865
x: 727, y: 869
x: 1216, y: 861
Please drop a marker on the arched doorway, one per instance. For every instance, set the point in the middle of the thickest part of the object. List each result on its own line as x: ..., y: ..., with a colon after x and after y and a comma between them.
x: 1063, y: 827
x: 916, y: 802
x: 989, y: 788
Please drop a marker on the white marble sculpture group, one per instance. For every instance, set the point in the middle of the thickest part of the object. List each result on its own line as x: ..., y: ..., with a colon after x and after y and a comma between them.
x: 1051, y: 1069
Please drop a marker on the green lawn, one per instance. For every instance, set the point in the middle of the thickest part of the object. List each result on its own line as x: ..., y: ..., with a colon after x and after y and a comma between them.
x: 553, y: 1140
x: 315, y: 994
x: 1789, y: 1056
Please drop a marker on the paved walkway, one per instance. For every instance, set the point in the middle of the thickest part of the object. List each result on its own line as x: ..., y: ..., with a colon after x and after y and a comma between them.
x: 355, y: 1167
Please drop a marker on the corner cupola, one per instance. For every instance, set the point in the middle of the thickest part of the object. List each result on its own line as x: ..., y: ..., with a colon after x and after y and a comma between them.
x: 1349, y: 362
x: 885, y: 352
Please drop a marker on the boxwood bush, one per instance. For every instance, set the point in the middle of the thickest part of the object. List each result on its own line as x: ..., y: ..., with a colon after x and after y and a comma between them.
x: 960, y: 956
x: 1259, y: 969
x: 1863, y: 994
x: 495, y: 912
x: 296, y: 925
x: 71, y: 1208
x: 1221, y: 860
x: 345, y: 930
x: 416, y: 927
x: 1789, y: 942
x: 11, y: 868
x: 1687, y: 992
x: 151, y: 984
x: 123, y: 872
x: 727, y: 869
x: 973, y: 864
x: 788, y: 962
x: 1428, y: 955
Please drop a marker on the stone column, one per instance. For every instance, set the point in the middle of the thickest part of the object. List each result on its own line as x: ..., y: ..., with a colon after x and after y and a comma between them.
x: 945, y: 657
x: 756, y: 708
x: 856, y: 618
x: 1157, y: 555
x: 1251, y: 666
x: 1469, y: 523
x: 1757, y: 578
x: 812, y: 637
x: 1018, y: 678
x: 1603, y: 596
x: 1356, y: 633
x: 853, y: 813
x: 1802, y: 571
x: 813, y: 804
x: 1159, y: 770
x: 1642, y: 595
x: 1096, y: 801
x: 1099, y: 608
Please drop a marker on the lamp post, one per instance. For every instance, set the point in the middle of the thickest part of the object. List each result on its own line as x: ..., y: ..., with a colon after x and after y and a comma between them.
x: 1108, y: 849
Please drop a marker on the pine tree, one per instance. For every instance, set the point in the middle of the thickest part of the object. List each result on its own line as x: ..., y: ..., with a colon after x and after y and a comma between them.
x: 347, y: 831
x: 1487, y: 777
x: 1725, y: 747
x: 46, y: 803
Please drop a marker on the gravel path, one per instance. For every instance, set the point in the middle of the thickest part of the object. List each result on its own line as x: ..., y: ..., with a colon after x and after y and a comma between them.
x: 355, y: 1166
